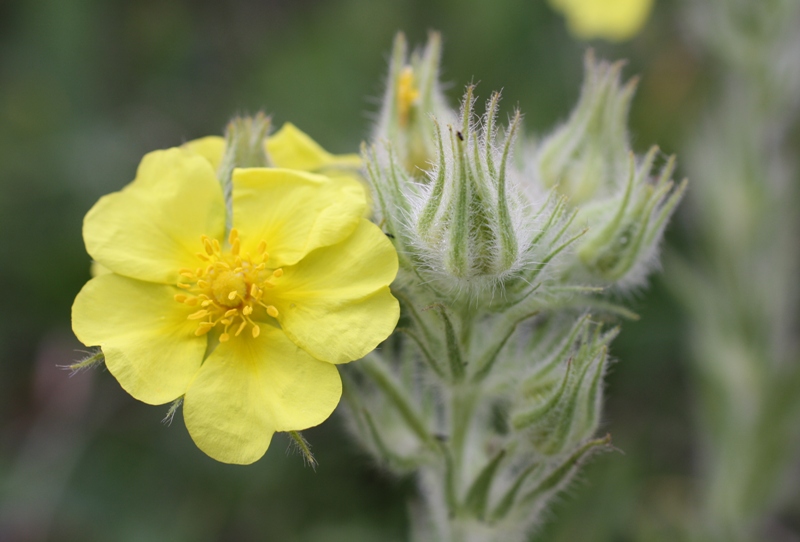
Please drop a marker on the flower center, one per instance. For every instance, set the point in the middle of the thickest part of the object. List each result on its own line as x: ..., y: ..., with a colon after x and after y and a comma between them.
x: 229, y: 288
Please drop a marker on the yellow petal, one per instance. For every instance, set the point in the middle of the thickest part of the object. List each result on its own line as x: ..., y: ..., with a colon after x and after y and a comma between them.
x: 149, y: 345
x: 211, y: 148
x: 249, y: 388
x: 152, y: 228
x: 335, y: 303
x: 96, y: 270
x: 292, y: 149
x: 293, y: 212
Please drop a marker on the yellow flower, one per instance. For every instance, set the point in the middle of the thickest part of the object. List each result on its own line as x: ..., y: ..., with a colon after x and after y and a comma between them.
x: 246, y: 327
x: 614, y: 20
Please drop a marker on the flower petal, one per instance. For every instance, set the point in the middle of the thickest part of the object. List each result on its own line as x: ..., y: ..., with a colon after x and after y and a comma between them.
x: 148, y: 343
x: 293, y: 149
x: 293, y: 211
x: 211, y: 148
x: 152, y: 228
x: 249, y: 388
x: 335, y: 303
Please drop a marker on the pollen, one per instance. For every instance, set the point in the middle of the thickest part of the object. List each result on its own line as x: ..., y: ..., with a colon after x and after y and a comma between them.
x: 407, y: 94
x: 228, y: 287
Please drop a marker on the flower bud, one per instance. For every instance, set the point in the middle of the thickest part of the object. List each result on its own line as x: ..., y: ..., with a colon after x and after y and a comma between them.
x: 562, y: 400
x: 469, y: 220
x: 588, y: 155
x: 412, y: 95
x: 626, y: 229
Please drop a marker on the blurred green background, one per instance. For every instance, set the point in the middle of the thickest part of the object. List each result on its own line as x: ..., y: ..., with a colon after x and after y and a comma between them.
x: 89, y: 86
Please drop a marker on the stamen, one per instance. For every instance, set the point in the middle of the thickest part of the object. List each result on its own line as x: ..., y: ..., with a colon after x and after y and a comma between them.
x: 203, y: 328
x: 241, y: 327
x: 228, y: 287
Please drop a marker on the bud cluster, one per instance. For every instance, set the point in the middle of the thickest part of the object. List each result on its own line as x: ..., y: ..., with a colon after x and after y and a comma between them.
x: 491, y: 391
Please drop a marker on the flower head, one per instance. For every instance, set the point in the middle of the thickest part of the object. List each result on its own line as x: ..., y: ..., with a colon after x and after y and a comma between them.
x: 247, y: 324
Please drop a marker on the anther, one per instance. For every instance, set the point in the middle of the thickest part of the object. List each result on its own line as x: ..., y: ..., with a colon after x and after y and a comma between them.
x: 180, y: 298
x: 224, y: 338
x: 232, y: 295
x: 247, y: 310
x: 277, y: 273
x: 230, y: 313
x: 262, y: 246
x: 197, y: 315
x: 256, y: 331
x: 202, y: 284
x: 272, y: 311
x: 183, y: 286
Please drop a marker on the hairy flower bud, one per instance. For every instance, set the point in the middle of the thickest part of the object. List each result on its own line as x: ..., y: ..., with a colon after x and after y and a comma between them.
x: 560, y: 401
x: 626, y: 229
x: 413, y: 95
x: 588, y: 155
x: 470, y: 215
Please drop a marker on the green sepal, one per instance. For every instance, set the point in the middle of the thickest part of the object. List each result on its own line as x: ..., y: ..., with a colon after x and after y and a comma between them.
x: 478, y: 494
